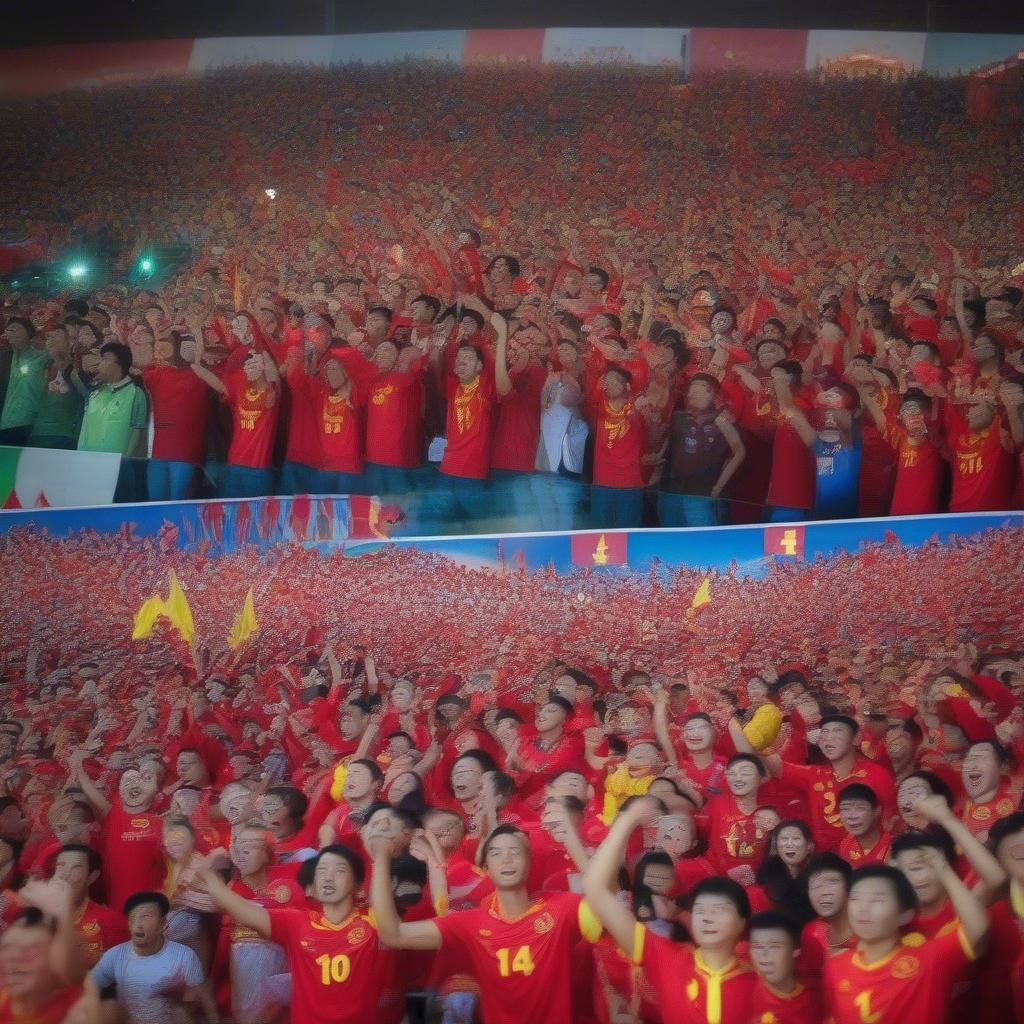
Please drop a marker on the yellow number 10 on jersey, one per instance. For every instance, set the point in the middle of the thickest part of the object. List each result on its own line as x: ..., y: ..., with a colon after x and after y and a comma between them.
x: 521, y: 963
x: 333, y: 968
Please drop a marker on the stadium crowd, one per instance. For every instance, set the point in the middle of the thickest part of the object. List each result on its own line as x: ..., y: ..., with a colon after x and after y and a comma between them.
x: 460, y: 793
x: 543, y: 299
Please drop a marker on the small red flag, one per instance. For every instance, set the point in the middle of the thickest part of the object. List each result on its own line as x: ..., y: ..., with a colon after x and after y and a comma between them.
x: 12, y: 500
x: 785, y: 541
x: 597, y: 549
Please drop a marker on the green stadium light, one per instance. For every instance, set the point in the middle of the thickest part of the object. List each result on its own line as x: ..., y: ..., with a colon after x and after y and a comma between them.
x: 77, y: 270
x: 146, y: 265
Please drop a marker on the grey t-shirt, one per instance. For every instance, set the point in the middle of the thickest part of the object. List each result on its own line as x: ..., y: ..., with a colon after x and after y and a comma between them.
x: 142, y: 980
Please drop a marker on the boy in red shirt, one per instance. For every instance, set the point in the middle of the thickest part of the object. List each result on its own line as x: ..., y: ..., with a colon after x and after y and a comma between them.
x: 698, y: 982
x: 920, y: 467
x: 737, y: 831
x: 821, y: 783
x: 778, y: 996
x: 342, y: 973
x: 517, y: 947
x: 866, y: 841
x: 620, y: 439
x: 893, y: 978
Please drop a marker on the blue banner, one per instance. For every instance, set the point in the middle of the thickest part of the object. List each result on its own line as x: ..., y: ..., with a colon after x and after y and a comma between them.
x: 151, y: 591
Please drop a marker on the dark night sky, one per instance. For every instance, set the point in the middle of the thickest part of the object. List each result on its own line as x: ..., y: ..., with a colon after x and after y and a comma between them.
x: 66, y: 21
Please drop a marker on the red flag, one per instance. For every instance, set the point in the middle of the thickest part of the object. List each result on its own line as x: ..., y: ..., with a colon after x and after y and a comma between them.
x: 41, y: 501
x: 596, y: 549
x: 302, y: 505
x: 12, y: 500
x: 243, y: 520
x: 213, y: 519
x: 784, y: 541
x: 269, y: 511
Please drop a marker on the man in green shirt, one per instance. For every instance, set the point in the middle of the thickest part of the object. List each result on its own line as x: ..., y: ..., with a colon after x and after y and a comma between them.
x: 116, y: 413
x: 59, y: 418
x: 25, y: 384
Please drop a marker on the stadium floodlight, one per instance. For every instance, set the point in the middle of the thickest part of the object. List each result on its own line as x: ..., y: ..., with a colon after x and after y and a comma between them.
x: 77, y: 270
x: 270, y: 193
x: 146, y: 265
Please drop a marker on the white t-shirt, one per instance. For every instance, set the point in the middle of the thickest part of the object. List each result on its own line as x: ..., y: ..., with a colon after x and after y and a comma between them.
x: 143, y: 980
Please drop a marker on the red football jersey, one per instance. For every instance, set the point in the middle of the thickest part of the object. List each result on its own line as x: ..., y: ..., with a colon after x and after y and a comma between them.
x: 98, y: 929
x: 734, y: 838
x: 979, y: 818
x: 801, y: 1006
x: 851, y: 850
x: 522, y: 964
x: 821, y: 786
x: 912, y: 985
x: 689, y: 992
x: 341, y: 974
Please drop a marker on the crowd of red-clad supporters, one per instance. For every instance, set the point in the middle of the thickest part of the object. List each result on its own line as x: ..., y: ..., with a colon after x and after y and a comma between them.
x: 543, y: 299
x: 442, y: 793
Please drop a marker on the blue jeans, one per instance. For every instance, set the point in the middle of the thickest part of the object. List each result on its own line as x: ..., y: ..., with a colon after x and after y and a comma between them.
x: 328, y: 482
x: 616, y: 508
x: 513, y: 509
x: 688, y: 510
x: 455, y: 504
x: 298, y: 478
x: 557, y: 501
x: 780, y: 514
x: 167, y: 480
x: 246, y: 482
x: 380, y: 480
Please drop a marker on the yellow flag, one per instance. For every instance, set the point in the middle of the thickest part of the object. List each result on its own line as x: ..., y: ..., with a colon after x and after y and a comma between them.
x: 177, y: 610
x: 702, y: 596
x: 146, y: 616
x: 245, y: 624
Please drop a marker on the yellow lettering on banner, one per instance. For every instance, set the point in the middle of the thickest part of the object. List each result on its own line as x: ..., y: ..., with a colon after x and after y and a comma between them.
x: 334, y: 968
x: 789, y: 542
x: 521, y: 963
